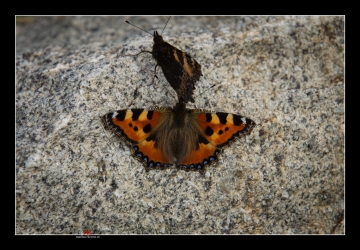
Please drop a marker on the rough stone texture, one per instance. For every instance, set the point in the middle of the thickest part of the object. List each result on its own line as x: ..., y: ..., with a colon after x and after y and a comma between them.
x: 286, y: 73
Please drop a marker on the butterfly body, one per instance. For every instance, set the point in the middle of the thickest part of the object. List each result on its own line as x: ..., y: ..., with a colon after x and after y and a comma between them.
x: 180, y: 70
x: 191, y: 139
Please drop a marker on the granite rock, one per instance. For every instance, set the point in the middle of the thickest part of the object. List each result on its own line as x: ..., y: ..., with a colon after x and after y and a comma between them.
x: 284, y: 72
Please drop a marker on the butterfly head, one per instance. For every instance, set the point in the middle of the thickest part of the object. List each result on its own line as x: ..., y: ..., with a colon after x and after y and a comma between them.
x: 158, y: 38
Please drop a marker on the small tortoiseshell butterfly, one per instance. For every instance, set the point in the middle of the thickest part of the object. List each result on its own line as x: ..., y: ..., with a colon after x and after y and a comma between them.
x: 192, y: 139
x: 179, y: 69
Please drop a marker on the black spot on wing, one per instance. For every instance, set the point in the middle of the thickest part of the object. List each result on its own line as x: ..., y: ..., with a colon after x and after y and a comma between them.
x: 237, y: 120
x: 150, y: 114
x: 147, y: 128
x: 121, y: 115
x: 202, y: 139
x: 136, y: 113
x: 222, y: 117
x: 208, y: 117
x: 209, y: 131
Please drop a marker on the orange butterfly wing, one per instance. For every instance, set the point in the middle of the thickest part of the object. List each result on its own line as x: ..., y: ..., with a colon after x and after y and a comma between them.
x: 206, y: 154
x: 221, y: 129
x: 135, y: 126
x: 217, y: 130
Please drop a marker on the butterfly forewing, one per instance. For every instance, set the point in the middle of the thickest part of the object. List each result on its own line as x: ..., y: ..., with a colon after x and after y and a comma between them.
x: 220, y: 128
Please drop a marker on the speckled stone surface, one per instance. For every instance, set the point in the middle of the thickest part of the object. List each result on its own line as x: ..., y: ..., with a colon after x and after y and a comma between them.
x: 287, y: 177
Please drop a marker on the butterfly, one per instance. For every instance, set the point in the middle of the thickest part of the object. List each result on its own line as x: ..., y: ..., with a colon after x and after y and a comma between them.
x: 180, y: 70
x: 192, y: 139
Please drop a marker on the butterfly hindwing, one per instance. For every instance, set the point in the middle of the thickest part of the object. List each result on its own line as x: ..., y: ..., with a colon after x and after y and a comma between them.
x: 205, y: 155
x: 150, y: 156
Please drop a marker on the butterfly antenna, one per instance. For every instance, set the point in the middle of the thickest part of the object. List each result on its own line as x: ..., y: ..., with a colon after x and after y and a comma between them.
x: 206, y: 90
x: 165, y: 25
x: 126, y: 21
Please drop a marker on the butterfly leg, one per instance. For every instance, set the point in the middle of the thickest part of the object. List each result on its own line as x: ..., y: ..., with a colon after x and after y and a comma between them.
x: 140, y: 53
x: 155, y: 76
